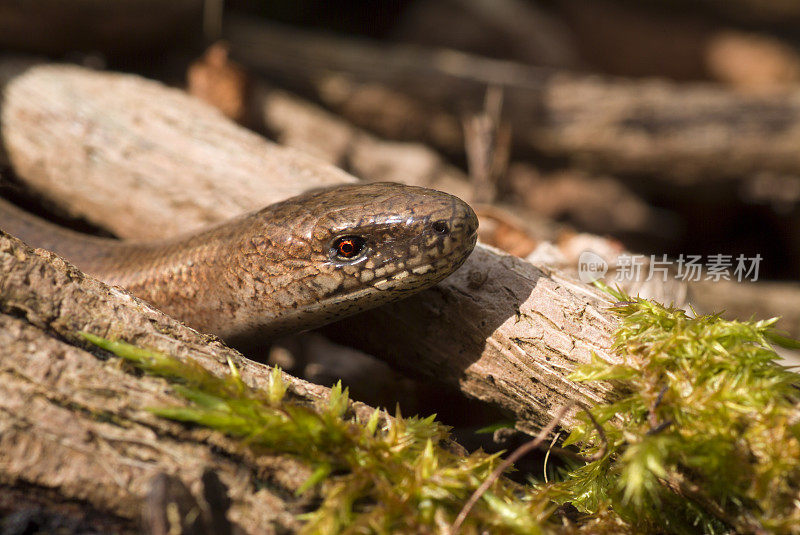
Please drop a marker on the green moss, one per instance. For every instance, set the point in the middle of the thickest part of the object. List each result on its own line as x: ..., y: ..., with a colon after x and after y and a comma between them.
x: 392, y: 474
x: 704, y: 437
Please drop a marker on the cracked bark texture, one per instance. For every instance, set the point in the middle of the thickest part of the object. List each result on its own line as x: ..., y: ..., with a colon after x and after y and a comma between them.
x: 501, y: 329
x: 73, y: 420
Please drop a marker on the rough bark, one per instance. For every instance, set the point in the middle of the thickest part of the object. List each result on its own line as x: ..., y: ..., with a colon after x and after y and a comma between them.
x: 73, y: 420
x: 690, y: 132
x: 501, y: 329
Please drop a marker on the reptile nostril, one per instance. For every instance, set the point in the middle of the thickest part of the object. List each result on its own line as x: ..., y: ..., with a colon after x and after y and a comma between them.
x: 441, y: 227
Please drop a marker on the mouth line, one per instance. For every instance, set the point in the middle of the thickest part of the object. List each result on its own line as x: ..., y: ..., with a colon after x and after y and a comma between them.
x: 429, y: 272
x: 372, y: 287
x: 384, y: 283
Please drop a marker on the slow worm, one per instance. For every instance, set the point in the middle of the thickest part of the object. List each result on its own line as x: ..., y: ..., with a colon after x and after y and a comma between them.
x: 294, y: 265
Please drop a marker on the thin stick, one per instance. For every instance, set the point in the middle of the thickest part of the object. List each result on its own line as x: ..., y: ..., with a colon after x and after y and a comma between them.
x: 502, y: 467
x: 524, y: 450
x: 487, y: 142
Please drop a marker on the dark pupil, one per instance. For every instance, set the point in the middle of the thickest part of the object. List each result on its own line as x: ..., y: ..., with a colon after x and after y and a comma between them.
x: 347, y: 248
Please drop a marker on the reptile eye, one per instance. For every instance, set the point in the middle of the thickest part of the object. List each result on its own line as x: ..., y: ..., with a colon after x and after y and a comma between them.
x: 348, y: 247
x: 441, y: 227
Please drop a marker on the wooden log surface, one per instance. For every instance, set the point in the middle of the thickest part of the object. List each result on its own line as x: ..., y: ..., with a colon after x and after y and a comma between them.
x: 73, y: 420
x: 501, y: 329
x: 165, y: 151
x: 691, y: 133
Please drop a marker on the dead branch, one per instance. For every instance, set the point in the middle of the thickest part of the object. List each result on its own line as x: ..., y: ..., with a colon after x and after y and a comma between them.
x: 487, y: 142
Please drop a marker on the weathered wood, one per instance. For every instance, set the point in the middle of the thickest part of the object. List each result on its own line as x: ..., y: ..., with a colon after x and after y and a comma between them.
x: 690, y: 132
x: 303, y: 126
x: 76, y: 422
x: 162, y: 149
x: 502, y: 329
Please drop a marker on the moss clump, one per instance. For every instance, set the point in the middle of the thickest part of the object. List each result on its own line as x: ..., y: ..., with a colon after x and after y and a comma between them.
x: 392, y: 474
x: 705, y: 438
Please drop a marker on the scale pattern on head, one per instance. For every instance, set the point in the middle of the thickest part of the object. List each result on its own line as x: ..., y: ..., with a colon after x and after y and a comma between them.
x: 336, y: 251
x: 291, y: 266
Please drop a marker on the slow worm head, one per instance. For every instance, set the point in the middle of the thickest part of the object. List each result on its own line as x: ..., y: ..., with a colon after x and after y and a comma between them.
x: 291, y: 266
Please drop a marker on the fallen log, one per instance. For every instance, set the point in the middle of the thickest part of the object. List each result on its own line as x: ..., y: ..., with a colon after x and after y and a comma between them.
x: 301, y: 125
x: 597, y: 202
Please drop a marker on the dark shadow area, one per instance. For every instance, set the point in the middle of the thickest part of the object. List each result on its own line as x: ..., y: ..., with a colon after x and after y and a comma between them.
x: 26, y: 509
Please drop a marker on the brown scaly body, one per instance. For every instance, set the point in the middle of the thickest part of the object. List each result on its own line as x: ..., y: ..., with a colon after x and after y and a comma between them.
x: 293, y: 265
